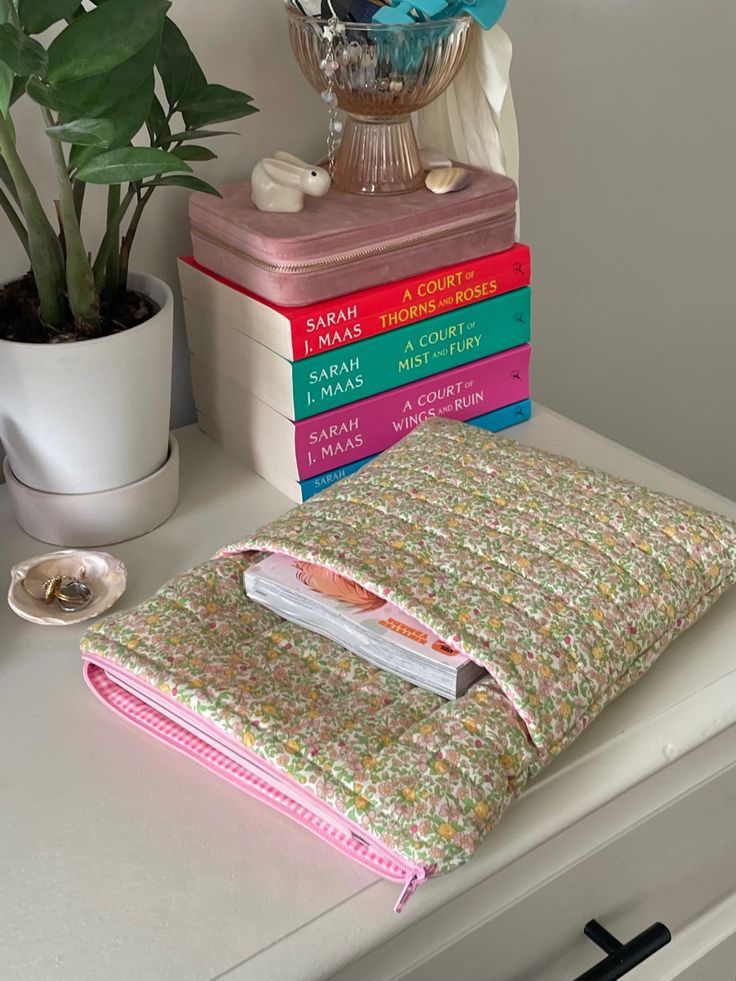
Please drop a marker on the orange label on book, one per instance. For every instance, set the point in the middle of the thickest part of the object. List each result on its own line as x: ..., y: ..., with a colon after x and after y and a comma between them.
x: 404, y: 629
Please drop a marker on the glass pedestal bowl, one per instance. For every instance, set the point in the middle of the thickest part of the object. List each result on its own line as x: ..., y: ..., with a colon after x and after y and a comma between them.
x: 379, y: 74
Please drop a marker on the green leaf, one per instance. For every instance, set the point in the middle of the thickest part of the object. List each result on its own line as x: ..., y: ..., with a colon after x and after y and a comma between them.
x: 132, y: 115
x: 183, y: 180
x: 42, y: 94
x: 80, y: 155
x: 214, y: 104
x: 200, y: 119
x: 37, y: 15
x: 177, y: 66
x: 11, y: 126
x: 48, y: 96
x: 197, y: 134
x: 104, y: 38
x: 7, y: 79
x: 19, y: 89
x: 156, y: 124
x: 84, y: 132
x: 191, y: 152
x: 125, y: 125
x: 21, y: 53
x: 96, y: 95
x: 129, y: 164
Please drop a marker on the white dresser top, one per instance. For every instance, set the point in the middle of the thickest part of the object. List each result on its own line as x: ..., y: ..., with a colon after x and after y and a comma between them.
x: 122, y: 860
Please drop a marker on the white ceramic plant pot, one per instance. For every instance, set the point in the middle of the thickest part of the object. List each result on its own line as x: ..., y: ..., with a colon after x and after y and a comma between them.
x: 85, y: 427
x: 90, y: 416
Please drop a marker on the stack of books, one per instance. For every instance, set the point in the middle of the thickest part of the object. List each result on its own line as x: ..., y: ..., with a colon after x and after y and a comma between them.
x: 307, y: 395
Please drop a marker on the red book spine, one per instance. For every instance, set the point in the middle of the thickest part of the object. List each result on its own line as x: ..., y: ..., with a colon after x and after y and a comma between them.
x: 356, y: 316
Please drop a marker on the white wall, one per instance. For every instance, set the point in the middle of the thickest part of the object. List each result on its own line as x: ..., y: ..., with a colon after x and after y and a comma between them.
x: 628, y: 138
x: 627, y: 122
x: 243, y: 44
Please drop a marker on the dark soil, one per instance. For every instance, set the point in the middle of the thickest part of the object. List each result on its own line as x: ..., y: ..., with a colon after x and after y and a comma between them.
x: 20, y: 321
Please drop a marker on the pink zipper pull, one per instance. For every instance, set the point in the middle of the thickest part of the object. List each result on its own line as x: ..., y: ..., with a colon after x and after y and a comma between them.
x: 410, y: 887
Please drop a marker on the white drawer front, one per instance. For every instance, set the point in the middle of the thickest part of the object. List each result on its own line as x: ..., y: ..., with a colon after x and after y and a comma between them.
x: 718, y: 964
x: 669, y: 867
x: 704, y: 951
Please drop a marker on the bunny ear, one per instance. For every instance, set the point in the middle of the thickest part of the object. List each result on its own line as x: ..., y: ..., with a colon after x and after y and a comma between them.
x: 291, y: 159
x: 284, y: 173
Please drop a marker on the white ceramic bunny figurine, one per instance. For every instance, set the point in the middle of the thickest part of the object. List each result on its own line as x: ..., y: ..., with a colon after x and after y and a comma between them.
x: 279, y: 183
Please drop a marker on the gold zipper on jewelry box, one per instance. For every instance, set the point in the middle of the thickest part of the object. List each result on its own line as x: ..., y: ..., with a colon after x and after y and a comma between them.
x: 384, y: 248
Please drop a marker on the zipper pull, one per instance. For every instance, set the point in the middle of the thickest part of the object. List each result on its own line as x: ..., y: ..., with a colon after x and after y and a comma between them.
x: 410, y: 887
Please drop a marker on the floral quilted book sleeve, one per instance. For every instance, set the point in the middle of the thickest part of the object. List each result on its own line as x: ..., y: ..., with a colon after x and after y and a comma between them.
x: 564, y: 583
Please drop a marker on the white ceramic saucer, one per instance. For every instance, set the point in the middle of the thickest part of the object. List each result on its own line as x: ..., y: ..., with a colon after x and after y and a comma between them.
x: 99, y: 518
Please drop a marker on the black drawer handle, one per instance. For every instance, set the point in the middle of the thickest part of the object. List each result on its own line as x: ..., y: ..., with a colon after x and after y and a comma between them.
x: 622, y: 958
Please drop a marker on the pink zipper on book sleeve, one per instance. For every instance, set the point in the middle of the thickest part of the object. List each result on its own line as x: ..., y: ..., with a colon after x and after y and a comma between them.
x: 410, y: 887
x: 182, y: 729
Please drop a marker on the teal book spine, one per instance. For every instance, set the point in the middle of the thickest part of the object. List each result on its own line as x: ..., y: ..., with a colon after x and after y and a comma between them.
x: 378, y: 364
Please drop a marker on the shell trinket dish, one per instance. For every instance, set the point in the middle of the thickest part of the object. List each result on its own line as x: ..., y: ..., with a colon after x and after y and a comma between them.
x: 444, y: 180
x: 66, y: 587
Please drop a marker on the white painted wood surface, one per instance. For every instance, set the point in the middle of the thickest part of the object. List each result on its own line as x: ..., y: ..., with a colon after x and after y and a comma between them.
x: 704, y: 951
x: 122, y: 860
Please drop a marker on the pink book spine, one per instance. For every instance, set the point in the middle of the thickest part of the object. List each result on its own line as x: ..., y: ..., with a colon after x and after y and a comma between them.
x: 340, y: 436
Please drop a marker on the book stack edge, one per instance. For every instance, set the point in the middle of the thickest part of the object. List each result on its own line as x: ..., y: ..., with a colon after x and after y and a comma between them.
x: 307, y: 395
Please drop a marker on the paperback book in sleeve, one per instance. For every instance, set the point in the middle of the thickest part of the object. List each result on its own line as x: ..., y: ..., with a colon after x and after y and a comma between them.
x: 362, y: 622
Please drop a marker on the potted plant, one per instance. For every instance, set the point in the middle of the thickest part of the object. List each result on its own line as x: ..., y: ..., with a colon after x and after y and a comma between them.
x: 85, y: 345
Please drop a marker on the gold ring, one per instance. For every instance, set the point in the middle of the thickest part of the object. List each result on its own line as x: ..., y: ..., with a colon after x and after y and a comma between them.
x: 51, y: 588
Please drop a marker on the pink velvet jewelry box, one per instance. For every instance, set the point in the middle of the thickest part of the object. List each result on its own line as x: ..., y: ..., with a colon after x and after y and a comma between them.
x: 346, y: 242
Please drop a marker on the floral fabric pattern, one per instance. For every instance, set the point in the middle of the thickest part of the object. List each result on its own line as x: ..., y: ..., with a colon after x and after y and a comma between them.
x: 383, y: 753
x: 564, y: 582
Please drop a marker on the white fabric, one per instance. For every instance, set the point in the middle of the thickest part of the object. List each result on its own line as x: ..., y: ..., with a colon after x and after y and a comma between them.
x: 474, y: 120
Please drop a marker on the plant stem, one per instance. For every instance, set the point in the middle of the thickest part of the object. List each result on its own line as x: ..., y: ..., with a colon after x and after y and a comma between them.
x: 13, y: 15
x: 8, y: 181
x: 47, y: 258
x: 130, y: 235
x: 143, y: 200
x: 113, y: 278
x: 80, y: 283
x: 78, y: 189
x: 57, y: 209
x: 7, y: 205
x: 100, y: 263
x: 128, y: 238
